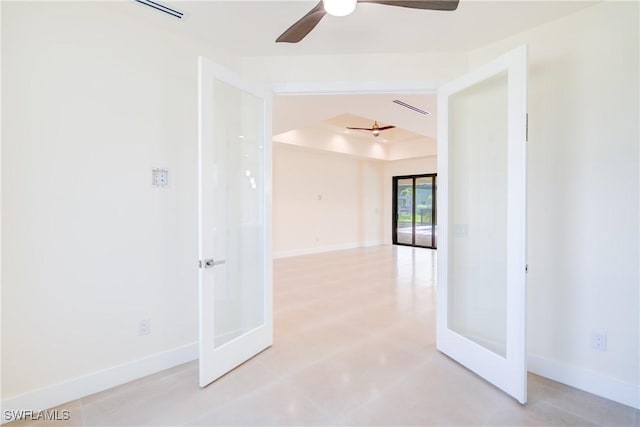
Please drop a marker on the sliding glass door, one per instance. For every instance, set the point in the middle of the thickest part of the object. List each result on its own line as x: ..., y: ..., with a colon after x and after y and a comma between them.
x: 414, y: 208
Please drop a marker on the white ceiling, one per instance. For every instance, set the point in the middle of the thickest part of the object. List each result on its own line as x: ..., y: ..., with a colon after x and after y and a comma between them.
x: 339, y: 111
x: 342, y: 122
x: 249, y: 28
x: 321, y: 121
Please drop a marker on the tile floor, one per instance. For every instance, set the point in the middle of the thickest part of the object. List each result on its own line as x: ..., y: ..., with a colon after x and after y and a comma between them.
x: 354, y: 345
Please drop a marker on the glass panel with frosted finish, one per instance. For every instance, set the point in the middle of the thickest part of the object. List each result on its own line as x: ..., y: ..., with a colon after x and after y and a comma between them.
x: 424, y: 211
x: 477, y: 294
x: 405, y: 211
x: 239, y: 225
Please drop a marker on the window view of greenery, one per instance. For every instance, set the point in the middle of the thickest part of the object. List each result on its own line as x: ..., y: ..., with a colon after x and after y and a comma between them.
x: 421, y: 217
x: 424, y: 204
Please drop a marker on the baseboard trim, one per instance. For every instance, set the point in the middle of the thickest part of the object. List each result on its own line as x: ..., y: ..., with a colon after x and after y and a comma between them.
x: 322, y: 249
x: 586, y: 380
x: 98, y: 381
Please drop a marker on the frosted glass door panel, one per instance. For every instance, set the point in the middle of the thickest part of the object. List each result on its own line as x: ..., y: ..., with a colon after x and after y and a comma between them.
x: 238, y: 231
x: 478, y: 213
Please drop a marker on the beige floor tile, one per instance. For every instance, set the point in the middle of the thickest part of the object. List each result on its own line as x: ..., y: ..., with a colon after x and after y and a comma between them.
x: 309, y: 346
x: 586, y: 405
x: 179, y: 401
x: 354, y: 345
x: 341, y: 305
x: 413, y: 335
x: 351, y: 378
x: 437, y: 393
x: 145, y: 384
x: 290, y: 299
x: 290, y: 321
x: 404, y: 405
x: 537, y: 414
x: 279, y: 405
x: 142, y: 404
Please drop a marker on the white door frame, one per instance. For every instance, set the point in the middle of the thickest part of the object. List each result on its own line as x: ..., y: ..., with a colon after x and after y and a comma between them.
x: 356, y: 88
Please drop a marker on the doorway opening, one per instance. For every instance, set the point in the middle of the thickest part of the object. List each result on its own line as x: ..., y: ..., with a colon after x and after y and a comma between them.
x: 414, y: 211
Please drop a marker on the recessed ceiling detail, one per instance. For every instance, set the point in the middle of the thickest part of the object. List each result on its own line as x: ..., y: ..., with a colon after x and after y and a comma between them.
x: 310, y: 121
x: 304, y: 110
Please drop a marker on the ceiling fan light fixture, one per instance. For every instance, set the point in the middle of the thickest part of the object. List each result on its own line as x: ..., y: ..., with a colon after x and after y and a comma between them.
x: 375, y: 129
x: 339, y: 7
x: 303, y: 26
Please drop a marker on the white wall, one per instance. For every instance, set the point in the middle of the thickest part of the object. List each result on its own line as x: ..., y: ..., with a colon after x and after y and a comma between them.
x: 321, y: 139
x: 407, y: 150
x: 324, y: 201
x: 315, y: 139
x: 301, y: 164
x: 430, y: 69
x: 92, y: 101
x: 583, y: 197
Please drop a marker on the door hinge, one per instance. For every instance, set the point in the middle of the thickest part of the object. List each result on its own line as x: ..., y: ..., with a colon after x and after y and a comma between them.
x: 526, y: 268
x: 526, y: 138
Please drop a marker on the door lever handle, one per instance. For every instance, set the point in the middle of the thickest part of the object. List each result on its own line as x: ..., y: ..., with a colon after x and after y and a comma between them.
x: 209, y: 263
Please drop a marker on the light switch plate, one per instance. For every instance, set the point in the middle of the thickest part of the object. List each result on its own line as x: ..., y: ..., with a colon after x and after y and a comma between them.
x: 160, y: 178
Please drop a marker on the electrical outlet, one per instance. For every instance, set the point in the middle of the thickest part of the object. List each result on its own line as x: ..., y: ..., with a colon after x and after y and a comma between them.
x: 144, y: 327
x: 599, y: 341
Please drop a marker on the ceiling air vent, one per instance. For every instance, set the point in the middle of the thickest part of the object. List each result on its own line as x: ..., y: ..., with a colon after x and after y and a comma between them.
x: 411, y: 107
x: 161, y: 8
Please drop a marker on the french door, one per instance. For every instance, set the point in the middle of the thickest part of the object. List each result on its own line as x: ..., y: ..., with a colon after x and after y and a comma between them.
x: 481, y: 296
x: 414, y: 208
x: 235, y: 280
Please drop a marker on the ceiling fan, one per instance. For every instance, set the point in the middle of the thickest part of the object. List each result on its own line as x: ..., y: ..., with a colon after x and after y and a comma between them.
x: 375, y: 129
x: 304, y: 25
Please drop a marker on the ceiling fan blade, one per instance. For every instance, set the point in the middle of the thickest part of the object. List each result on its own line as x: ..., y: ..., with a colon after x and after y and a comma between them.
x: 385, y: 127
x: 303, y: 26
x: 369, y: 129
x: 418, y: 4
